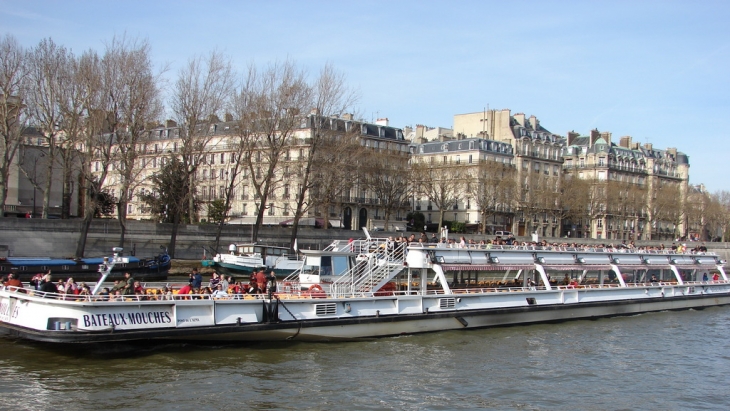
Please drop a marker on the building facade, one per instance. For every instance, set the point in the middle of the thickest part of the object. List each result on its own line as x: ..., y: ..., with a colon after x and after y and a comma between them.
x: 355, y: 207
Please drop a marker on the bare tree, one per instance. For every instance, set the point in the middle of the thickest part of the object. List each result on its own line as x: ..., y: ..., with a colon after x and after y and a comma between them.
x: 664, y: 206
x: 443, y: 184
x: 134, y: 102
x: 201, y: 93
x: 325, y: 176
x: 572, y: 201
x: 47, y: 66
x: 269, y: 106
x: 95, y: 138
x: 492, y: 185
x: 330, y: 151
x: 13, y: 70
x: 718, y: 218
x: 387, y: 176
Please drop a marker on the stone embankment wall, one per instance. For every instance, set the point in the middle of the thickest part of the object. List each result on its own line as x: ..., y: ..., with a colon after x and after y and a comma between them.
x: 58, y: 238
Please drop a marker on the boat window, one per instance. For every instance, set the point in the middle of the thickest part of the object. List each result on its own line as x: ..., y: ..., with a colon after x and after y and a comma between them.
x: 339, y: 265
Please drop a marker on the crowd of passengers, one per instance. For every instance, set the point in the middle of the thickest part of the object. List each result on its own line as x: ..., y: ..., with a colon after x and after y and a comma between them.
x: 462, y: 242
x: 218, y: 286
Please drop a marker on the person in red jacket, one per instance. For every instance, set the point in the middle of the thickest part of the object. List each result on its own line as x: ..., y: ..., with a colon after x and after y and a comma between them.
x: 13, y: 281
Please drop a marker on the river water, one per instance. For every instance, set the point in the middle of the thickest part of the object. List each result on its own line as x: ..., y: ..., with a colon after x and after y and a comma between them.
x: 668, y: 361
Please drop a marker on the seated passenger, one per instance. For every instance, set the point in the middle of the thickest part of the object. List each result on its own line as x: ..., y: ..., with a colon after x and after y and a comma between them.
x: 166, y: 293
x: 13, y: 281
x: 219, y: 292
x: 47, y: 286
x: 186, y: 289
x: 138, y: 289
x: 84, y: 290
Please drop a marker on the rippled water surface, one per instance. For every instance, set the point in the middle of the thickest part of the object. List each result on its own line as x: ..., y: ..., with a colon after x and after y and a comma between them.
x: 659, y: 361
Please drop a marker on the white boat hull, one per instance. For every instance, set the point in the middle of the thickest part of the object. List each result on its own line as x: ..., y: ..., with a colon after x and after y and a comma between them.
x: 43, y: 319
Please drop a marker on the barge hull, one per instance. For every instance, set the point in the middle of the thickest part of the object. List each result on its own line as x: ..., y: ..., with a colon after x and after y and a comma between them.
x: 339, y: 329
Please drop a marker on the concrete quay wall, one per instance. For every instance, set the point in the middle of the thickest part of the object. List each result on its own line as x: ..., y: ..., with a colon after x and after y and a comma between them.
x: 58, y: 238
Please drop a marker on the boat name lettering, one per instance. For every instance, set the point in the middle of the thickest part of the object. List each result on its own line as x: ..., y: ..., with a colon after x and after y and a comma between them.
x: 188, y: 320
x: 109, y: 319
x: 5, y: 310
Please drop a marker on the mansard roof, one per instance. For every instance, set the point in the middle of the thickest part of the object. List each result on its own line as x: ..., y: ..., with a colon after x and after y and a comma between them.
x: 467, y: 144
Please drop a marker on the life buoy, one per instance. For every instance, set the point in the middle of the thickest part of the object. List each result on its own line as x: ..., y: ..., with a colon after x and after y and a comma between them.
x: 316, y: 287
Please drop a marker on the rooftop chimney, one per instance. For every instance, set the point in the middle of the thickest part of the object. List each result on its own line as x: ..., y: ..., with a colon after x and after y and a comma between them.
x: 520, y: 118
x: 595, y: 135
x: 572, y: 135
x: 382, y: 121
x: 625, y: 142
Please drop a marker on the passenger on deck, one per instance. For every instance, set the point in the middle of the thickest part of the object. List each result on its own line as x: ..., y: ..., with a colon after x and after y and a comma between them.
x: 653, y: 279
x: 566, y: 280
x: 197, y: 278
x: 104, y: 294
x: 84, y: 290
x: 219, y: 292
x: 118, y: 286
x: 47, y: 285
x: 71, y: 287
x: 272, y: 282
x: 166, y: 293
x: 13, y: 281
x: 261, y: 280
x: 253, y: 288
x: 61, y: 287
x: 128, y: 285
x: 36, y: 281
x: 206, y: 293
x: 224, y: 282
x: 138, y: 289
x: 185, y: 290
x: 716, y: 277
x: 214, y: 281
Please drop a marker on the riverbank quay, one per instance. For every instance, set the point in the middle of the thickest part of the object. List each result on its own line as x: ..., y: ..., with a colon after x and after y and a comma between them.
x: 20, y: 237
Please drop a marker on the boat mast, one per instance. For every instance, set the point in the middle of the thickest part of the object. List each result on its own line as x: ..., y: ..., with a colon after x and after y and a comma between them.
x: 106, y: 268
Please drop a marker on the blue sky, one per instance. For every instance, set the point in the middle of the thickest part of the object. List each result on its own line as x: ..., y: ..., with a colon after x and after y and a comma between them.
x: 655, y: 70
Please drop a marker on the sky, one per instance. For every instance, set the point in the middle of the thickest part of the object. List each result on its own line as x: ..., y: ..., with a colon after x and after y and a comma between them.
x: 654, y: 70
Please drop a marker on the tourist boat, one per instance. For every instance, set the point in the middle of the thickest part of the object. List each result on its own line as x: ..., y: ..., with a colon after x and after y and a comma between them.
x: 244, y: 258
x: 373, y: 287
x: 87, y: 269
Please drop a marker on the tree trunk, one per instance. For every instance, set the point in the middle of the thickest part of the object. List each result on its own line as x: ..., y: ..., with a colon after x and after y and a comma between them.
x: 259, y: 221
x: 122, y: 215
x: 85, y: 225
x: 173, y: 236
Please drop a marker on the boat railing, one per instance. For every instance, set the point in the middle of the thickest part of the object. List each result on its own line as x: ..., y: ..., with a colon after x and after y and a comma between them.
x: 555, y: 248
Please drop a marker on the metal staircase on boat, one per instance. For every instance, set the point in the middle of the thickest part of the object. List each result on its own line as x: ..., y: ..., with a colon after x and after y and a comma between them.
x: 378, y: 263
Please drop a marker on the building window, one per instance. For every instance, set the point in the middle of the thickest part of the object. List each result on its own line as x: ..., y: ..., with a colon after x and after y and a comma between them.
x: 470, y: 159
